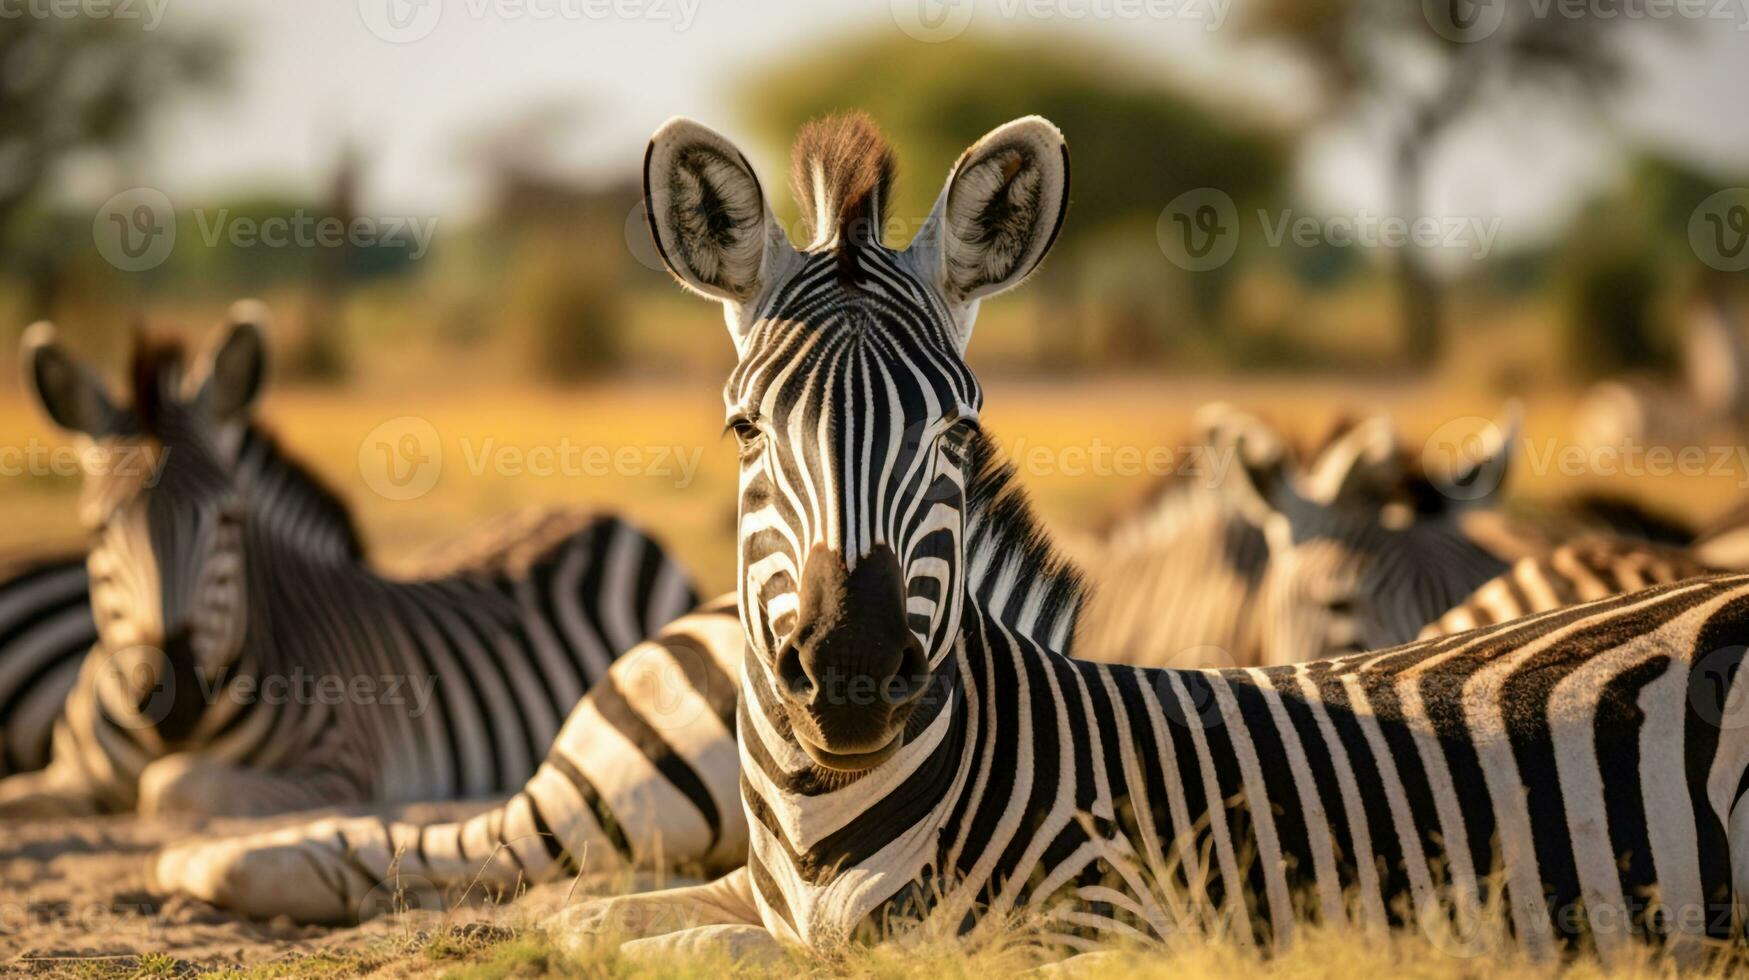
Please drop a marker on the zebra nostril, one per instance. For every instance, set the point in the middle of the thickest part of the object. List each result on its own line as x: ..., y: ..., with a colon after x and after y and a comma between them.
x: 912, y: 677
x: 793, y: 680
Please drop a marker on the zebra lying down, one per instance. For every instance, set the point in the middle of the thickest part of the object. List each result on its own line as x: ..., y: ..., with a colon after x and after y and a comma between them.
x: 916, y: 741
x: 250, y: 661
x: 46, y: 630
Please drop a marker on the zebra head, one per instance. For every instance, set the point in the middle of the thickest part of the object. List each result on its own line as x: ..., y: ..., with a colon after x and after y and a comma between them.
x: 1365, y: 549
x: 160, y: 498
x: 852, y: 404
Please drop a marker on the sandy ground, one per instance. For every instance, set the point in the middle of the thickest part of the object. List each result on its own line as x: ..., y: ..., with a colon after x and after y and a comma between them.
x: 75, y: 894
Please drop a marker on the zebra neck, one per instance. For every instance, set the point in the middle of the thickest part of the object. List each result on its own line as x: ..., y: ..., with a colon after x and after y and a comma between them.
x: 292, y: 504
x: 1014, y: 575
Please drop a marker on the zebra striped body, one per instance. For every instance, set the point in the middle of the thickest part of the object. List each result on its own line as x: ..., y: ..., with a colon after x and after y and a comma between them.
x: 251, y: 661
x: 1589, y: 754
x: 46, y: 630
x: 643, y: 774
x: 1579, y: 571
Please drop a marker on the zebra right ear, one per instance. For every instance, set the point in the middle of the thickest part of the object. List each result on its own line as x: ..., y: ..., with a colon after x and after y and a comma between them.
x: 69, y: 393
x: 709, y: 217
x: 237, y: 366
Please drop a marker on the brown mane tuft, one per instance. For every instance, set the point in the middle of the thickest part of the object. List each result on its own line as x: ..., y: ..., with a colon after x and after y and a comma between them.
x: 841, y: 172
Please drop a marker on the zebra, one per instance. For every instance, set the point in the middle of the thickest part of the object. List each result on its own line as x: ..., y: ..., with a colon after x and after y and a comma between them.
x: 917, y: 746
x: 643, y: 775
x: 250, y: 661
x: 1577, y: 571
x: 557, y: 825
x: 1269, y: 561
x: 45, y: 631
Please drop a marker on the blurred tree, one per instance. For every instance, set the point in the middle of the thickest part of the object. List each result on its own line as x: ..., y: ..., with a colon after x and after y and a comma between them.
x: 1431, y: 63
x: 71, y: 86
x: 1137, y: 144
x: 1625, y: 265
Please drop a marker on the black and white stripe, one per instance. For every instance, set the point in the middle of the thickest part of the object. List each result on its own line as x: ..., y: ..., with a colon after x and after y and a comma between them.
x: 251, y: 661
x: 1585, y: 767
x: 46, y: 630
x: 1579, y: 571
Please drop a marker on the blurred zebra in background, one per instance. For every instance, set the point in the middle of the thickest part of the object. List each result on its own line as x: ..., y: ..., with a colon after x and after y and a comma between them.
x: 1712, y: 402
x: 249, y: 661
x: 46, y: 630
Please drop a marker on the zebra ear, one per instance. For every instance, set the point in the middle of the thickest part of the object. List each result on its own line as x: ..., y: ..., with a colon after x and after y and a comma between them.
x: 1481, y: 478
x: 709, y: 217
x: 70, y: 394
x: 1248, y: 461
x: 1000, y: 211
x: 237, y: 367
x: 1357, y: 464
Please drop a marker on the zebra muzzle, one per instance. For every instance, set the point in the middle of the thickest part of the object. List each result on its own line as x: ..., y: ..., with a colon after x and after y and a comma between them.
x: 851, y: 670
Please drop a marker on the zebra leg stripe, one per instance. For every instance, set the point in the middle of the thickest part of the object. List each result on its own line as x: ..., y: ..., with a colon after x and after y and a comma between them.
x: 643, y: 775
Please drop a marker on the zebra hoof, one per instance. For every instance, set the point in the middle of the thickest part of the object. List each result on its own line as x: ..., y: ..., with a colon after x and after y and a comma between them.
x: 261, y: 878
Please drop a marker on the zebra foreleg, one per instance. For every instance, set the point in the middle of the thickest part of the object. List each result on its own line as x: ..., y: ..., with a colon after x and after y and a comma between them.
x: 719, y: 916
x: 55, y: 792
x: 190, y: 783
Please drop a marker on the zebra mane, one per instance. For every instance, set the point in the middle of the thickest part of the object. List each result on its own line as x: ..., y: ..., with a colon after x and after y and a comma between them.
x: 841, y: 173
x: 297, y: 491
x: 155, y: 371
x: 1006, y: 542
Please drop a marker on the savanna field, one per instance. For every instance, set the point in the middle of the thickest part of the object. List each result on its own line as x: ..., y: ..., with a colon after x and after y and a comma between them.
x: 75, y: 893
x: 1478, y: 218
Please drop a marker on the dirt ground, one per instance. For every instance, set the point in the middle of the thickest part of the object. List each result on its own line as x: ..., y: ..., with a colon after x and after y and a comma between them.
x: 75, y: 899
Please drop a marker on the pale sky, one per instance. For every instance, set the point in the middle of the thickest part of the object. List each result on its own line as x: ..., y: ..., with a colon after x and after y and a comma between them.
x: 310, y: 72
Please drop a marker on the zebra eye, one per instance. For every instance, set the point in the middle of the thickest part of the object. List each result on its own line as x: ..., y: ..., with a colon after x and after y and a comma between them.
x: 747, y: 435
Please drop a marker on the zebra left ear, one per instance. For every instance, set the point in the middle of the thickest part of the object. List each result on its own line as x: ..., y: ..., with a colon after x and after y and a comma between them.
x: 1360, y: 462
x: 237, y: 368
x: 1000, y: 211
